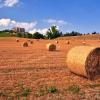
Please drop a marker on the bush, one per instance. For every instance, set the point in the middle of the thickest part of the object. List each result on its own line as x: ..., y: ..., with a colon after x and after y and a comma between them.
x: 18, y: 34
x: 26, y: 92
x: 28, y: 35
x: 45, y: 90
x: 73, y: 33
x: 37, y: 35
x: 52, y: 90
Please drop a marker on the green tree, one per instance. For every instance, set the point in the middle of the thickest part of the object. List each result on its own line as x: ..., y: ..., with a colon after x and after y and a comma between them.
x: 73, y: 33
x: 38, y: 35
x: 94, y: 33
x: 18, y: 34
x: 53, y: 32
x: 28, y: 35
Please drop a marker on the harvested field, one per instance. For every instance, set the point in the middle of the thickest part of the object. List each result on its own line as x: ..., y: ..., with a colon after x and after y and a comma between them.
x: 29, y: 72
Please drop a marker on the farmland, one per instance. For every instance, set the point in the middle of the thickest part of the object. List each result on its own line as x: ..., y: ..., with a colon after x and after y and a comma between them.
x: 37, y: 69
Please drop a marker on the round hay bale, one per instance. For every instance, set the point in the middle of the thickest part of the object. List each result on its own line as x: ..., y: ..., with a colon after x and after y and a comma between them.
x: 84, y: 43
x: 85, y: 61
x: 25, y: 44
x: 67, y: 42
x: 51, y: 47
x: 57, y: 42
x: 31, y: 42
x: 17, y: 40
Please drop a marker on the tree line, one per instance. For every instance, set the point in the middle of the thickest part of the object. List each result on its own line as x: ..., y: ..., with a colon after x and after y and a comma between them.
x: 52, y: 33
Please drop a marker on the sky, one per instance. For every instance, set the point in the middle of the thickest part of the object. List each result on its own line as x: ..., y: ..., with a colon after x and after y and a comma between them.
x: 38, y: 15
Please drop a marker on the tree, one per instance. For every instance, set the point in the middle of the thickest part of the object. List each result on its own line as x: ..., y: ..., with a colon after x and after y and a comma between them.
x: 28, y: 35
x: 53, y: 32
x: 73, y: 33
x: 49, y: 35
x: 37, y: 35
x: 94, y: 33
x: 19, y: 35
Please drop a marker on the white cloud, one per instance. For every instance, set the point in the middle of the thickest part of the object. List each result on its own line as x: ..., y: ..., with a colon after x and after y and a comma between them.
x: 26, y: 25
x: 63, y: 25
x: 33, y: 26
x: 42, y: 31
x: 6, y: 23
x: 56, y: 22
x: 8, y: 3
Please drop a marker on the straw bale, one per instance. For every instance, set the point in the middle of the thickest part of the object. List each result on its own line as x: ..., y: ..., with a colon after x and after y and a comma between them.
x: 31, y: 42
x: 57, y: 42
x: 51, y: 47
x: 25, y: 44
x: 85, y: 61
x: 67, y: 42
x: 17, y: 40
x: 84, y: 43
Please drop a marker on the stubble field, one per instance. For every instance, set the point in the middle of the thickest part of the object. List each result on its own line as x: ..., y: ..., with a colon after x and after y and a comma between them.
x: 30, y: 73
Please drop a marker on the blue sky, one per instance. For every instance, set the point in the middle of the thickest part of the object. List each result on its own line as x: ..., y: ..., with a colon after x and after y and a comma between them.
x: 39, y: 15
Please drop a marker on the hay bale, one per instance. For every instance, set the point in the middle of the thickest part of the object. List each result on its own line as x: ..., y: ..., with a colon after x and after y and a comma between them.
x: 51, y: 47
x: 83, y: 42
x: 85, y: 61
x: 25, y: 44
x: 57, y: 42
x: 17, y: 40
x: 31, y: 42
x: 67, y: 42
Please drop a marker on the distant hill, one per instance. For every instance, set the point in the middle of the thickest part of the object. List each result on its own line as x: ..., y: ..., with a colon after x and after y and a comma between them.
x: 83, y: 37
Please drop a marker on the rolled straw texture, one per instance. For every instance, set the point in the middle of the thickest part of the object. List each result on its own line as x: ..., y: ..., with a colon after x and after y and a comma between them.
x: 84, y: 60
x: 51, y: 47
